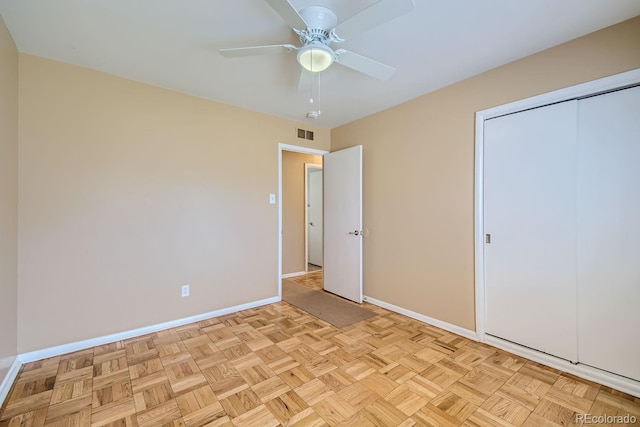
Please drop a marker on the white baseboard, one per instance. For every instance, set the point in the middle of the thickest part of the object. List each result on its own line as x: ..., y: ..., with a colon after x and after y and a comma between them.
x: 623, y: 384
x: 9, y: 378
x: 81, y: 345
x: 299, y: 273
x: 426, y: 319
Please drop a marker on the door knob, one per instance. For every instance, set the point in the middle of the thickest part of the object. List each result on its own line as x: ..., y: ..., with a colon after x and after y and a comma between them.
x: 355, y: 233
x: 311, y: 224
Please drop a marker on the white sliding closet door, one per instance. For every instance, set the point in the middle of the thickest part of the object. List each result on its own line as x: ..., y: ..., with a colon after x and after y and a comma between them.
x: 529, y: 211
x: 609, y: 232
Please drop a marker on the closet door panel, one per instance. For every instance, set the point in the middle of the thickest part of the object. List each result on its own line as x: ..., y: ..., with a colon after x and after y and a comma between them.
x: 529, y: 211
x: 609, y: 232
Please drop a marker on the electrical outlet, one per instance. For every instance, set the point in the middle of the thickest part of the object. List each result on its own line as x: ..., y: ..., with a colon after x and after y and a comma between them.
x: 185, y: 290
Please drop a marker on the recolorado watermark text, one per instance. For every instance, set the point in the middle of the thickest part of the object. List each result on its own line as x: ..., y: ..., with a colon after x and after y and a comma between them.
x: 606, y: 419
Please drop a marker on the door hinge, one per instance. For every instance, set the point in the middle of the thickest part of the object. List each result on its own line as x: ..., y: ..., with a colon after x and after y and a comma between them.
x: 487, y: 238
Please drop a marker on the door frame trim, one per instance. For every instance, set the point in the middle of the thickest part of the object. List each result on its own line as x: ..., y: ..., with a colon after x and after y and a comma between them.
x: 605, y: 84
x: 296, y: 149
x: 307, y: 167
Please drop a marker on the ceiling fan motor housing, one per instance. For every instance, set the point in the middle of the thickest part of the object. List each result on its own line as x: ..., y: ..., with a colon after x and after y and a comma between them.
x: 311, y: 35
x: 315, y: 55
x: 319, y: 17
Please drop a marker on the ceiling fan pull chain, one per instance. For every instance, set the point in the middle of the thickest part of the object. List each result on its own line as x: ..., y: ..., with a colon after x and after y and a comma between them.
x: 318, y: 94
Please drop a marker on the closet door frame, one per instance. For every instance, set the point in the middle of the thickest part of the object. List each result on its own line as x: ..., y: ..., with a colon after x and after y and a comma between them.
x: 617, y: 81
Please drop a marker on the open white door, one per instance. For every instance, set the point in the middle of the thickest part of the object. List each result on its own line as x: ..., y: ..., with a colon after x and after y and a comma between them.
x: 343, y: 223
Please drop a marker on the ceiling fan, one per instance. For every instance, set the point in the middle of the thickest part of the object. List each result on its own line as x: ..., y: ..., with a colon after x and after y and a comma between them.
x: 318, y: 27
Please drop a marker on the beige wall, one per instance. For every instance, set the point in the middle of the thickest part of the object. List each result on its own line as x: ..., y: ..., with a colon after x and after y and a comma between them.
x: 419, y: 172
x: 8, y: 199
x: 293, y: 212
x: 128, y: 191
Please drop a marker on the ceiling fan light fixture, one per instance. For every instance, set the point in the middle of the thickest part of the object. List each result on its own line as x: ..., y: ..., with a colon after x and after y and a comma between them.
x: 315, y: 57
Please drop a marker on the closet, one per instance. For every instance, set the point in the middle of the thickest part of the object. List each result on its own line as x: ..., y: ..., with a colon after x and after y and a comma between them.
x: 562, y: 230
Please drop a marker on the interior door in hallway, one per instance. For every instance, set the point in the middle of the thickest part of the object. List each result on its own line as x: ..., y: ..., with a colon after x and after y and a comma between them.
x: 314, y: 215
x: 343, y: 223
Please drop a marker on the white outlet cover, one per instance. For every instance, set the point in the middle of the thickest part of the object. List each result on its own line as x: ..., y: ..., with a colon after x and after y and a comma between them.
x: 185, y: 290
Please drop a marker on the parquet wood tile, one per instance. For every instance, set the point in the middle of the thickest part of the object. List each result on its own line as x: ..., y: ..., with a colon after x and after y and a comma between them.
x: 615, y: 399
x: 306, y: 418
x: 424, y: 387
x: 540, y: 372
x: 568, y: 400
x: 337, y: 379
x: 184, y: 376
x: 189, y: 331
x: 200, y: 407
x: 257, y: 373
x: 153, y: 396
x: 286, y: 406
x: 170, y: 349
x: 297, y: 376
x: 314, y: 391
x: 358, y: 396
x: 505, y: 409
x: 257, y: 417
x: 108, y: 362
x: 403, y: 398
x: 28, y: 419
x: 549, y: 410
x: 340, y: 357
x: 70, y: 412
x: 241, y: 402
x: 277, y: 365
x: 147, y: 381
x: 17, y: 406
x: 444, y: 373
x: 379, y: 384
x: 163, y: 414
x: 398, y: 373
x: 140, y: 350
x: 334, y: 409
x: 227, y: 386
x: 358, y: 420
x: 525, y: 390
x: 210, y: 361
x: 383, y: 413
x: 359, y: 369
x: 72, y: 388
x: 112, y: 412
x: 270, y: 389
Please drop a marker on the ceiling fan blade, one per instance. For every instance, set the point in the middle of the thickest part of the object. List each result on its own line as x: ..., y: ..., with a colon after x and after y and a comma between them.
x: 372, y: 16
x: 257, y: 50
x: 288, y: 13
x: 364, y: 65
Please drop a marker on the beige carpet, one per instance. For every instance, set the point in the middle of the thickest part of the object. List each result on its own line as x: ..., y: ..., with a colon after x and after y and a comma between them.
x: 323, y: 305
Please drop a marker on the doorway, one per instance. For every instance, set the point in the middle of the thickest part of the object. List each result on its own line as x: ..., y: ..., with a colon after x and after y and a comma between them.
x: 292, y: 216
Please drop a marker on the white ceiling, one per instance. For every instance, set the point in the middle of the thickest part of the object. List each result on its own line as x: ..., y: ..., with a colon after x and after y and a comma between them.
x: 173, y: 44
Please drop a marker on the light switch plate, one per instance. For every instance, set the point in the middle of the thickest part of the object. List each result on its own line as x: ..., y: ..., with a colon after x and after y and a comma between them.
x: 272, y: 199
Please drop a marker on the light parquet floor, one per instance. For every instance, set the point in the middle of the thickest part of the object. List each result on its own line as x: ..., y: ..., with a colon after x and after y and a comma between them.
x: 277, y: 365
